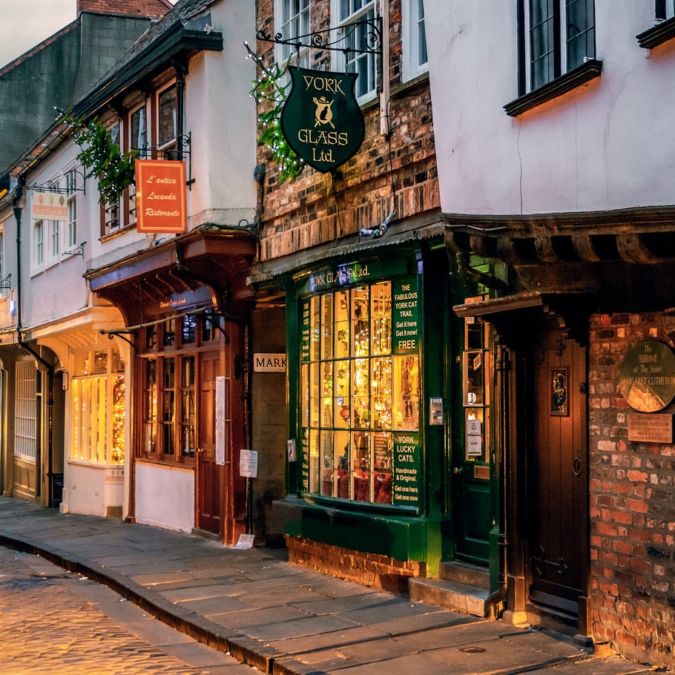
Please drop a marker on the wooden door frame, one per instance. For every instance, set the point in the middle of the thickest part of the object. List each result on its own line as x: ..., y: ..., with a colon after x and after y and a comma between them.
x: 520, y: 438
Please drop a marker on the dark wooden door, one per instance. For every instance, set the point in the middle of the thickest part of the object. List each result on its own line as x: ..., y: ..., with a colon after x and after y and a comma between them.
x: 557, y: 475
x: 209, y: 478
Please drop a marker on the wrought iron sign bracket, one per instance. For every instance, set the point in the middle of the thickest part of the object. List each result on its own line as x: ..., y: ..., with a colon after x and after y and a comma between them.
x: 6, y: 284
x: 54, y: 185
x: 76, y: 250
x: 216, y: 324
x: 121, y: 333
x: 181, y: 151
x: 334, y: 39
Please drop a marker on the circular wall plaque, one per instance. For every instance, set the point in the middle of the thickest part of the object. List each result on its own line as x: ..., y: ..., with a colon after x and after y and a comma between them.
x: 648, y: 376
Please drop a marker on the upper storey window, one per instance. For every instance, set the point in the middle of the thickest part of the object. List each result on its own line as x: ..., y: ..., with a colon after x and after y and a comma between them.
x: 138, y: 129
x: 167, y: 123
x: 561, y: 36
x: 292, y: 20
x: 346, y: 13
x: 415, y: 57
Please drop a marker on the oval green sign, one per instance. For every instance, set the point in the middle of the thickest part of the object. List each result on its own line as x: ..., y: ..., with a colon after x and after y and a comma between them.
x: 648, y: 376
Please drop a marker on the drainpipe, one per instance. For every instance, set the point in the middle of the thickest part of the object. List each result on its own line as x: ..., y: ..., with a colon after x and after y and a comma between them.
x: 38, y: 357
x: 180, y: 107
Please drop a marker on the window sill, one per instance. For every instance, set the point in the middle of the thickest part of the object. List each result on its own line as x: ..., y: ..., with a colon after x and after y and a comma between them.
x: 561, y: 85
x: 658, y: 34
x: 408, y: 85
x: 119, y: 231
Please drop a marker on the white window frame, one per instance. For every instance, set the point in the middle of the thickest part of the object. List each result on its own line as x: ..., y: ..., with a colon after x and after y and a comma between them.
x: 71, y: 202
x: 340, y: 62
x: 412, y: 66
x: 25, y: 411
x: 54, y: 241
x: 286, y: 55
x: 172, y: 144
x: 562, y: 9
x: 143, y: 153
x: 38, y: 243
x: 105, y: 229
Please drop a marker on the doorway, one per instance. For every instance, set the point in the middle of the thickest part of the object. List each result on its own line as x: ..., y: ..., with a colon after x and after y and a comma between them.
x: 557, y: 503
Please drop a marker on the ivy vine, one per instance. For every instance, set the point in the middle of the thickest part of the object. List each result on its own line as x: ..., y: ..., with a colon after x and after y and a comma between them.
x: 102, y: 158
x: 270, y: 89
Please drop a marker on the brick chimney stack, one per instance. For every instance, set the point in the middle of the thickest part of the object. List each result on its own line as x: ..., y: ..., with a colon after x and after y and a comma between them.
x: 150, y: 9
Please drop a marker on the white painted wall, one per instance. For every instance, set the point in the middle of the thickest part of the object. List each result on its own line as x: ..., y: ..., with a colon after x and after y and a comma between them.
x: 165, y: 496
x: 608, y: 145
x: 91, y: 489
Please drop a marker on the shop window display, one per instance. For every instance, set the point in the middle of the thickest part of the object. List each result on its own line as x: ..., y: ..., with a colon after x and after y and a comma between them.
x: 356, y: 393
x: 99, y: 408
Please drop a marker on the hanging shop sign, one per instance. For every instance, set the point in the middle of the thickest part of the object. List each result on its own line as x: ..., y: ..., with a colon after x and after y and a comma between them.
x: 648, y: 376
x: 321, y: 119
x: 50, y: 206
x: 407, y: 469
x: 160, y: 196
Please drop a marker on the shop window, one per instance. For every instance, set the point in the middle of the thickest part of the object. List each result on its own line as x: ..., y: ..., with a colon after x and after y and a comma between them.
x: 169, y: 357
x: 359, y: 389
x: 25, y: 411
x: 415, y: 57
x: 99, y: 408
x: 349, y: 12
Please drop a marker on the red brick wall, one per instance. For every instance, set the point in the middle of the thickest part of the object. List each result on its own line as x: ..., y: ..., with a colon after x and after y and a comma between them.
x: 632, y: 503
x: 304, y: 213
x: 371, y: 569
x: 153, y: 9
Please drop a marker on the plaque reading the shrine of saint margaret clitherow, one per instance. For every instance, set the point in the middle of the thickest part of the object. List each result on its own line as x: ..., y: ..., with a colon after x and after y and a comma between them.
x: 648, y: 376
x: 321, y: 119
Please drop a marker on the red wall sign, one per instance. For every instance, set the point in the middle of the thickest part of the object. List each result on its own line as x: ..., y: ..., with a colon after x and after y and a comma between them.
x: 160, y: 196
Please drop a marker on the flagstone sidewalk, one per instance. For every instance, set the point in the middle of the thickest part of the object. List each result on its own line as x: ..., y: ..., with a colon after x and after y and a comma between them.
x: 279, y: 617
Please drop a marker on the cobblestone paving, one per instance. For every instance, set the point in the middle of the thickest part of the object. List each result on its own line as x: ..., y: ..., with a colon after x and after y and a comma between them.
x: 55, y: 622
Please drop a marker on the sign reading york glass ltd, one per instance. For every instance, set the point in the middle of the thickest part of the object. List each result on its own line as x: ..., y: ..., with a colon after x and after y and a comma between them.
x: 321, y: 118
x: 160, y: 196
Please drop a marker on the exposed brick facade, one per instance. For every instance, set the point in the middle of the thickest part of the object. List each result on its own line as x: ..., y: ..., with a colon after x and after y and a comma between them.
x: 632, y: 503
x: 312, y: 210
x: 371, y: 569
x: 152, y: 9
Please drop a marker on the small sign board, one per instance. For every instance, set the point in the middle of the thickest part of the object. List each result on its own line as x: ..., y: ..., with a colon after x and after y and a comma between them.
x: 248, y: 464
x: 160, y: 196
x: 407, y: 469
x: 405, y: 316
x: 436, y: 411
x: 473, y: 428
x: 650, y: 428
x: 264, y: 362
x: 474, y: 446
x: 49, y: 206
x: 220, y: 419
x: 244, y: 542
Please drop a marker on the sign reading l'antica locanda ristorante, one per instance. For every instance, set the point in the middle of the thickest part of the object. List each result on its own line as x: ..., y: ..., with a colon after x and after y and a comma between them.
x: 321, y: 119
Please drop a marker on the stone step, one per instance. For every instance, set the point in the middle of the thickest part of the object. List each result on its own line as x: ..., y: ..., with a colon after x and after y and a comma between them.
x: 448, y: 594
x: 465, y: 573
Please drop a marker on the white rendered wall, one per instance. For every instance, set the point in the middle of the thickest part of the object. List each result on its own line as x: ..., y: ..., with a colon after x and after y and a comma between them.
x: 91, y: 489
x: 607, y: 145
x: 165, y: 496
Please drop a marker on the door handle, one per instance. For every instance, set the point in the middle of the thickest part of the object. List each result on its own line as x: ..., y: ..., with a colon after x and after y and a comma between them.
x: 200, y: 451
x: 457, y: 470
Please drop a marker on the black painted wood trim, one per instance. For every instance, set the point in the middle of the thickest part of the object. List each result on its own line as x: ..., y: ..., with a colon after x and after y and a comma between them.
x: 658, y: 34
x: 561, y: 85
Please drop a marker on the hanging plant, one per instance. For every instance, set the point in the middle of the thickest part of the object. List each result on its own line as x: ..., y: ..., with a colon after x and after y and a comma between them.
x: 270, y: 89
x: 102, y: 158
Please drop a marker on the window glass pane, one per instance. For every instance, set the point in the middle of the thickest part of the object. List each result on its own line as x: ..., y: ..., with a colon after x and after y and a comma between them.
x: 315, y: 329
x: 341, y: 324
x: 360, y: 393
x: 169, y: 333
x: 380, y: 297
x: 188, y: 406
x: 150, y: 412
x: 168, y: 407
x: 304, y: 394
x: 406, y: 392
x: 139, y: 137
x: 383, y: 452
x: 188, y: 329
x: 314, y: 460
x: 381, y: 385
x: 327, y: 464
x: 327, y: 327
x: 119, y: 411
x: 360, y: 326
x: 342, y: 460
x: 167, y: 116
x: 361, y: 467
x: 342, y: 395
x: 314, y: 376
x: 421, y: 34
x: 327, y: 394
